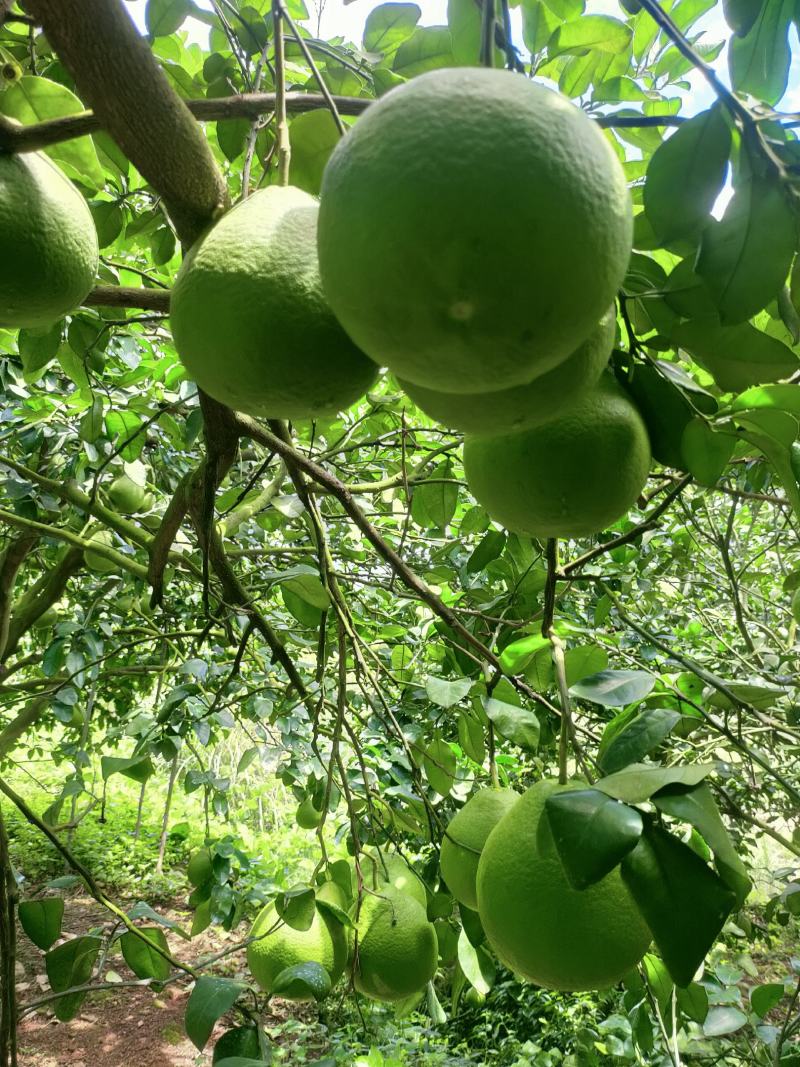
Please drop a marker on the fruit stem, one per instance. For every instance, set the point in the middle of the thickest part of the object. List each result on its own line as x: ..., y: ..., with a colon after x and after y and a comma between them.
x: 494, y: 777
x: 487, y: 33
x: 557, y: 654
x: 281, y: 124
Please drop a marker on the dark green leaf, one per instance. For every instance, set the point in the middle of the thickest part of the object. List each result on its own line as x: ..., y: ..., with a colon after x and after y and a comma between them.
x: 439, y: 762
x: 302, y: 980
x: 239, y: 1042
x: 705, y: 452
x: 592, y: 832
x: 143, y: 960
x: 470, y: 737
x: 683, y: 901
x: 137, y: 768
x: 637, y: 738
x: 686, y: 174
x: 41, y: 920
x: 614, y: 689
x: 296, y: 907
x: 741, y: 14
x: 519, y: 725
x: 665, y: 410
x: 489, y: 548
x: 69, y: 965
x: 737, y: 356
x: 38, y: 349
x: 759, y: 62
x: 745, y: 257
x: 693, y: 1002
x: 763, y: 998
x: 142, y: 910
x: 209, y: 1000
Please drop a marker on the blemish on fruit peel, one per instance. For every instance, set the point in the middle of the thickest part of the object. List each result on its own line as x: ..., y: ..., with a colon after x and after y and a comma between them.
x: 462, y: 310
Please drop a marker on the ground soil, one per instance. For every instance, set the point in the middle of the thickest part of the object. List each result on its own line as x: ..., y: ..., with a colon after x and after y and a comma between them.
x: 132, y: 1027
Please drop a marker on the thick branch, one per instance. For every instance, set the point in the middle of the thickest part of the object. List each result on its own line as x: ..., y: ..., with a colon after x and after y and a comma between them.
x: 10, y: 563
x: 134, y: 296
x: 116, y: 72
x: 42, y: 595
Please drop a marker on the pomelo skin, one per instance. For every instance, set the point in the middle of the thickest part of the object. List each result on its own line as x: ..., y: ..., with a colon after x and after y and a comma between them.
x: 249, y: 319
x: 537, y: 924
x: 465, y: 837
x: 521, y: 406
x: 324, y: 942
x: 473, y: 228
x: 388, y: 868
x: 397, y: 947
x: 569, y: 477
x: 49, y: 242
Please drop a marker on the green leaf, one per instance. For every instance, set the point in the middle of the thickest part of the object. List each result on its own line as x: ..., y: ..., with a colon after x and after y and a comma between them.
x: 476, y: 963
x: 302, y: 980
x: 539, y: 23
x: 434, y: 502
x: 781, y: 397
x: 759, y: 62
x: 745, y: 257
x: 240, y: 1061
x: 737, y: 356
x: 209, y: 1000
x: 296, y: 907
x: 518, y: 655
x: 686, y: 174
x: 590, y: 33
x: 592, y: 832
x: 489, y: 548
x: 37, y: 99
x: 640, y: 781
x: 69, y: 965
x: 470, y: 737
x: 446, y: 691
x: 614, y: 689
x: 742, y: 14
x: 723, y: 1019
x: 763, y: 998
x: 38, y: 348
x: 693, y: 1002
x: 699, y: 808
x: 584, y: 660
x: 705, y: 451
x: 137, y: 768
x: 41, y: 920
x: 439, y: 762
x: 122, y: 426
x: 142, y: 910
x: 163, y: 17
x: 665, y: 410
x: 435, y: 1009
x: 109, y: 218
x: 143, y: 960
x: 387, y: 26
x: 464, y: 23
x: 637, y: 738
x: 240, y: 1042
x: 683, y: 901
x: 516, y: 724
x: 313, y: 136
x: 428, y: 48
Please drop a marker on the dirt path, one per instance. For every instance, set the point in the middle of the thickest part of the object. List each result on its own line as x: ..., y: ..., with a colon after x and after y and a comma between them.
x: 129, y: 1028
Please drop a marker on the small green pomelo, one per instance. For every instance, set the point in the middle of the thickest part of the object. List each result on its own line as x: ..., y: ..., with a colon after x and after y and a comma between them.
x: 465, y: 837
x: 473, y: 228
x: 96, y: 562
x: 48, y: 240
x: 199, y: 868
x: 249, y: 319
x: 47, y: 619
x: 522, y: 406
x: 537, y: 924
x: 307, y: 816
x: 387, y: 868
x: 126, y: 495
x: 324, y: 942
x: 569, y: 477
x: 397, y: 946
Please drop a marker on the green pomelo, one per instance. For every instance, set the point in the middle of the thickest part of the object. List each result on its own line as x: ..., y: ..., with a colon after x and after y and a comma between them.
x: 49, y: 241
x: 126, y: 495
x: 397, y: 946
x: 465, y: 837
x: 537, y: 924
x: 307, y: 816
x: 96, y: 562
x: 569, y: 477
x: 249, y: 319
x: 199, y: 868
x: 390, y: 869
x: 324, y: 942
x: 473, y: 228
x: 47, y: 619
x: 521, y: 406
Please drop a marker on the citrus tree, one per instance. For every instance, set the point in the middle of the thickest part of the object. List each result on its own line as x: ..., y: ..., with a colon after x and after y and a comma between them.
x: 513, y: 620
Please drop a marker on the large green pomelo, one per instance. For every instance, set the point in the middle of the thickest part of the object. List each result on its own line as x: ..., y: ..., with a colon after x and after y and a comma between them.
x: 307, y: 816
x: 570, y: 477
x: 521, y: 406
x: 126, y: 495
x: 465, y: 837
x: 49, y: 242
x: 249, y: 319
x: 397, y: 946
x: 537, y: 924
x: 387, y: 868
x: 200, y: 868
x: 473, y: 228
x: 324, y: 942
x: 94, y: 561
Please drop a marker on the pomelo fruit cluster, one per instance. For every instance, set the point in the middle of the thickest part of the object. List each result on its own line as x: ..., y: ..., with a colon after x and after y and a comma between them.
x: 538, y: 925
